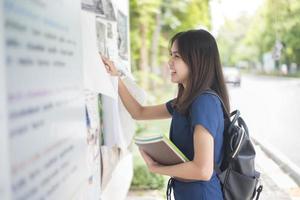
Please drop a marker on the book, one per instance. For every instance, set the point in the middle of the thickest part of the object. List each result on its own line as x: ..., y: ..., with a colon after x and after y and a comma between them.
x: 161, y: 149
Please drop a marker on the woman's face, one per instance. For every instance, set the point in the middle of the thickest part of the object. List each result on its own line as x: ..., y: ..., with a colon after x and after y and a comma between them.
x: 178, y: 68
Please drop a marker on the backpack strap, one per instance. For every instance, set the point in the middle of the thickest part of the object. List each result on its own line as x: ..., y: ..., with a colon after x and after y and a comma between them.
x: 227, y: 115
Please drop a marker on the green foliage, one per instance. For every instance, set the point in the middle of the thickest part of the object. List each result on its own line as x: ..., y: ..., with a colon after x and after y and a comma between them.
x: 248, y: 39
x: 165, y: 17
x: 186, y: 14
x: 143, y: 179
x: 230, y: 40
x: 277, y: 20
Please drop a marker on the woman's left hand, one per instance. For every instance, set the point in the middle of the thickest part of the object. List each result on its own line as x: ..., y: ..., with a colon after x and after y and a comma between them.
x: 109, y: 66
x: 152, y: 165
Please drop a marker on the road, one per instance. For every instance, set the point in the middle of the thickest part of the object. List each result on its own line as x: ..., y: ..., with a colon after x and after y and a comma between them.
x: 271, y: 108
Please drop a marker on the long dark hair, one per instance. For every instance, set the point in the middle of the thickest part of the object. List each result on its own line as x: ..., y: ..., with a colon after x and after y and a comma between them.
x: 199, y: 50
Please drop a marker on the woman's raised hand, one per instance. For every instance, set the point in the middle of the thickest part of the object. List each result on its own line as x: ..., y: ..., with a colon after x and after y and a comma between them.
x: 109, y: 66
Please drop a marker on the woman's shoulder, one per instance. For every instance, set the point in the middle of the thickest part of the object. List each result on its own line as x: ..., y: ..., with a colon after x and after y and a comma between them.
x: 206, y: 99
x: 207, y: 102
x: 169, y: 105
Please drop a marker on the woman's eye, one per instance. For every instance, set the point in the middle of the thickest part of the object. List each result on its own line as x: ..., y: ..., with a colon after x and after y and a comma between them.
x: 174, y: 55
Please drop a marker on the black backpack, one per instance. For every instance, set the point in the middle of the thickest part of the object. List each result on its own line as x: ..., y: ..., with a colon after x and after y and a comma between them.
x: 237, y: 174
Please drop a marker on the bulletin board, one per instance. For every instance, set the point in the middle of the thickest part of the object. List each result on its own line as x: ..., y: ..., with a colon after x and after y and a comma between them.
x: 52, y: 79
x: 45, y: 104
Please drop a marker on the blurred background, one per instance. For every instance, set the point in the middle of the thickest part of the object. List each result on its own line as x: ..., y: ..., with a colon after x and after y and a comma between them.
x: 259, y: 44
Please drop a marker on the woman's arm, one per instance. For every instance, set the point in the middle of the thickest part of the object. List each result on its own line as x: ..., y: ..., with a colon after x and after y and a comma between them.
x: 200, y: 168
x: 139, y: 112
x: 136, y: 110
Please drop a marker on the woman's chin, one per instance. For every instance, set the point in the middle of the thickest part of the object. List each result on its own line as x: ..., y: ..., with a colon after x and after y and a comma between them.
x: 173, y: 78
x: 173, y: 81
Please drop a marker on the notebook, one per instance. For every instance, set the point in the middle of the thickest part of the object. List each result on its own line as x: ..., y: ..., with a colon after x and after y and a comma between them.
x: 160, y: 149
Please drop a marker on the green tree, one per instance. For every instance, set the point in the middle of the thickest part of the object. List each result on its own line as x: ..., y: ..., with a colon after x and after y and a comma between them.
x: 230, y: 40
x: 152, y: 23
x: 277, y: 20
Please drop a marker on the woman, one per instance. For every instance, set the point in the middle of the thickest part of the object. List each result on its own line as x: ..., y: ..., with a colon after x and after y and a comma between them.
x: 197, y: 118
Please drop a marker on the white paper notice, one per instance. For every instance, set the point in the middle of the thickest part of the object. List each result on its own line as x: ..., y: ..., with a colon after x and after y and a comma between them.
x: 93, y: 145
x: 126, y: 121
x: 4, y: 154
x: 113, y: 133
x: 45, y: 101
x: 96, y: 78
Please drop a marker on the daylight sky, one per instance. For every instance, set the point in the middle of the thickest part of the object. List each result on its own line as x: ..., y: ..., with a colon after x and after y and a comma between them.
x: 221, y: 9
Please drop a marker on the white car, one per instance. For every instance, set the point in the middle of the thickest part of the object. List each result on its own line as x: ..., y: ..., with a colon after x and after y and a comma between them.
x: 232, y: 76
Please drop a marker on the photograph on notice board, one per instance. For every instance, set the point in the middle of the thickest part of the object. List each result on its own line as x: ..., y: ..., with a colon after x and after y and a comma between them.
x: 93, y: 144
x: 111, y: 42
x: 101, y: 37
x: 94, y: 117
x: 122, y: 35
x: 110, y: 34
x: 109, y: 10
x: 95, y: 6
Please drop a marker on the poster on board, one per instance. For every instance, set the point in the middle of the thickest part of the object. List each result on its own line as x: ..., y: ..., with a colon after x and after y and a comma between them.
x: 96, y: 78
x: 95, y: 6
x: 93, y: 144
x: 101, y: 35
x: 122, y: 36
